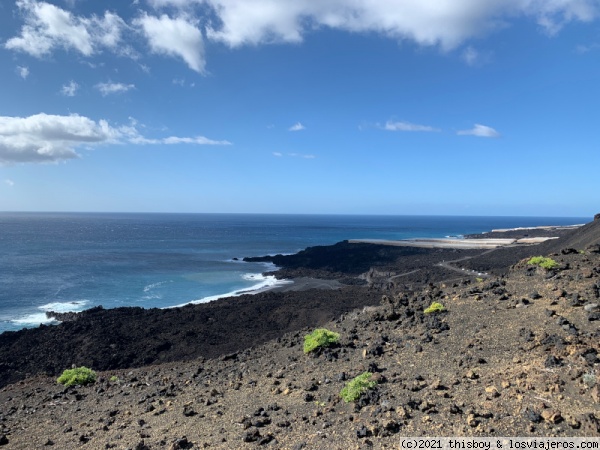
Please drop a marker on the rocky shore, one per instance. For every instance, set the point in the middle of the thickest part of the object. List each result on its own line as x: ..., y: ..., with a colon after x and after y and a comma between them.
x: 515, y: 353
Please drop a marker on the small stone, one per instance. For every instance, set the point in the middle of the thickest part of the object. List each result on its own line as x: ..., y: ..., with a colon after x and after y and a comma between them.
x: 552, y: 361
x: 437, y: 385
x: 591, y: 307
x: 251, y: 436
x: 532, y: 415
x: 551, y: 416
x: 596, y: 393
x: 472, y: 420
x: 471, y: 375
x: 492, y: 391
x: 308, y: 397
x: 265, y: 439
x: 391, y: 425
x: 362, y: 432
x: 188, y: 411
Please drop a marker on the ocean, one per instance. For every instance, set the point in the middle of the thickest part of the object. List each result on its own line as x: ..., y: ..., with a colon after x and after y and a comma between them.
x: 74, y: 261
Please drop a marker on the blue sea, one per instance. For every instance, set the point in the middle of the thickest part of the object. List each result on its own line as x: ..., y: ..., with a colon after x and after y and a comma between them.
x: 74, y: 261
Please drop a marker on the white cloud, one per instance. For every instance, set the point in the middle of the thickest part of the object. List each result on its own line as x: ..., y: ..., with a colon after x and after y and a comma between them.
x: 198, y: 140
x: 113, y: 88
x: 293, y: 155
x: 475, y: 58
x: 470, y: 56
x: 300, y: 155
x: 174, y: 37
x: 48, y: 138
x: 297, y: 127
x: 23, y: 72
x: 407, y: 126
x: 48, y: 27
x: 70, y: 89
x: 447, y: 24
x: 8, y: 182
x: 582, y: 49
x: 480, y: 131
x: 427, y: 22
x: 51, y: 138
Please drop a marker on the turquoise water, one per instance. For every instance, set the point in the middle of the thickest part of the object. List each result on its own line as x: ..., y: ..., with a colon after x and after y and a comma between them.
x: 70, y: 262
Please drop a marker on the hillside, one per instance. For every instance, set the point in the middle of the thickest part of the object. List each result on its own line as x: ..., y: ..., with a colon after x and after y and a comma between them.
x: 513, y: 355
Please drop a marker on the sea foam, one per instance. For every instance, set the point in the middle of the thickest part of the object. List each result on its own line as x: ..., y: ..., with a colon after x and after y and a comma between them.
x: 39, y: 318
x: 263, y: 283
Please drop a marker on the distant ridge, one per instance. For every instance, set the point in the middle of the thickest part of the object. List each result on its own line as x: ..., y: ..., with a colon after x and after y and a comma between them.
x: 580, y: 239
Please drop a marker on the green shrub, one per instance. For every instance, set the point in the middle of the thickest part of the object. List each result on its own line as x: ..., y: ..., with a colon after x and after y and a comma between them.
x: 79, y: 375
x: 354, y: 388
x: 321, y: 337
x: 434, y: 308
x: 114, y: 379
x: 545, y: 263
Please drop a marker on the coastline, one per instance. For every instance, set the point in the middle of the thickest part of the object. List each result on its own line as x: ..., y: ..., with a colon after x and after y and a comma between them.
x: 515, y: 354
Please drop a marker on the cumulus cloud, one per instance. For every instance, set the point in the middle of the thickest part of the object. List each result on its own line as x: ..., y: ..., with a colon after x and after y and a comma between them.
x: 174, y: 37
x: 52, y: 138
x: 297, y: 127
x: 23, y: 72
x: 48, y: 27
x: 407, y: 126
x: 480, y: 131
x: 9, y: 182
x: 70, y: 89
x: 445, y: 24
x: 113, y: 88
x: 427, y: 22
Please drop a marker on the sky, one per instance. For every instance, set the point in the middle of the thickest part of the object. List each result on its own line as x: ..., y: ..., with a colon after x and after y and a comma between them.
x: 435, y: 107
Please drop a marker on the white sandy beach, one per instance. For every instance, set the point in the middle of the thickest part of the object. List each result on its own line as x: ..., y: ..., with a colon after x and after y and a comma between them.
x: 454, y: 243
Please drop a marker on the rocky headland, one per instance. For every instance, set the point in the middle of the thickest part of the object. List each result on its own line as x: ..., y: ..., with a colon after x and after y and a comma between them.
x: 515, y: 353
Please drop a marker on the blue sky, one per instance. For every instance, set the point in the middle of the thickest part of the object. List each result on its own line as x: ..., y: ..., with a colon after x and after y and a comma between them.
x: 456, y: 107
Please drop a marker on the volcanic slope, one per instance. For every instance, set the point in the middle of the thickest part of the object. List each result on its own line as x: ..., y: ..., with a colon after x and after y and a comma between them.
x: 513, y: 355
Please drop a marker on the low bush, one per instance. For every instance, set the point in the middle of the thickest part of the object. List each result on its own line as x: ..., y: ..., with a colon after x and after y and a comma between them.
x: 77, y: 376
x: 545, y: 263
x: 354, y: 388
x: 435, y: 307
x: 321, y: 337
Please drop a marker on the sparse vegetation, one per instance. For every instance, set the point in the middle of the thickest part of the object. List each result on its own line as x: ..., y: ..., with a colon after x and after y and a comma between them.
x: 77, y: 376
x: 543, y: 262
x: 354, y: 388
x: 321, y: 337
x: 435, y: 307
x: 479, y: 280
x: 114, y: 379
x: 589, y: 379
